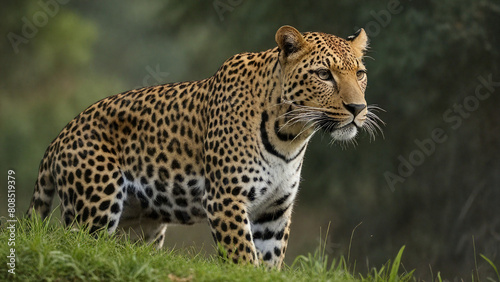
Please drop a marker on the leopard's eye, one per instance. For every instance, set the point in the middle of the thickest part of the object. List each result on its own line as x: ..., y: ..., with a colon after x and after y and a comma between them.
x: 324, y: 74
x: 360, y: 74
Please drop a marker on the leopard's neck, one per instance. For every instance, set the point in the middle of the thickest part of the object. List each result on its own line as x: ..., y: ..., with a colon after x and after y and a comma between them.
x: 285, y: 132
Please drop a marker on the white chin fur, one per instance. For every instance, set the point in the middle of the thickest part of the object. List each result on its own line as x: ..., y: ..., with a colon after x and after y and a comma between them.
x: 345, y: 134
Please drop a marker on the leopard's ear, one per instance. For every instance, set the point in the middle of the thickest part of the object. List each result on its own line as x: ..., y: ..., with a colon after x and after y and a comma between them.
x: 359, y: 42
x: 290, y: 40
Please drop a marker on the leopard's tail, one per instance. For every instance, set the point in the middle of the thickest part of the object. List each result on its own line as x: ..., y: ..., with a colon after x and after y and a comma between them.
x: 45, y: 188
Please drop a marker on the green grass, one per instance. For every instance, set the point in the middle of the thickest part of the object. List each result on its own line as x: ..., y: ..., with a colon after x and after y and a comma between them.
x: 49, y: 252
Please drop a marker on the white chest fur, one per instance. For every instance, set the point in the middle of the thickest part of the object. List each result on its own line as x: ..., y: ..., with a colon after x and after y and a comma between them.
x: 280, y: 185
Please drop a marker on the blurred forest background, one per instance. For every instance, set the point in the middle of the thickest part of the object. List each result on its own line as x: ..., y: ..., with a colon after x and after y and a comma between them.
x: 431, y: 183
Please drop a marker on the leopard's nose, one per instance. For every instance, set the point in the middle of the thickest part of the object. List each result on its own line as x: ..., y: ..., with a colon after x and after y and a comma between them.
x: 355, y: 109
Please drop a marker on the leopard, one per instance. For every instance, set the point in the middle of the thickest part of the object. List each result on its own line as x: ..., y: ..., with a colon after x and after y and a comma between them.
x: 227, y: 150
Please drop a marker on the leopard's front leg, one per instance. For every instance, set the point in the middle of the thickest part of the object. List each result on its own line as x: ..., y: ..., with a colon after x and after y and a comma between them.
x: 228, y: 219
x: 270, y: 232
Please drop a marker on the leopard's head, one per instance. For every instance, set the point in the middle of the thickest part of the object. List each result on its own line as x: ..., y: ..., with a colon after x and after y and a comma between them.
x: 323, y: 82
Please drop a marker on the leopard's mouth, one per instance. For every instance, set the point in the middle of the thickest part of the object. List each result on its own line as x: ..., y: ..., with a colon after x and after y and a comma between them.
x: 340, y: 131
x: 345, y: 133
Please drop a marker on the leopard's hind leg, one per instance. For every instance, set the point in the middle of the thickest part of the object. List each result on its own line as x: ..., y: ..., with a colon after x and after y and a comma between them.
x: 92, y: 198
x: 45, y: 188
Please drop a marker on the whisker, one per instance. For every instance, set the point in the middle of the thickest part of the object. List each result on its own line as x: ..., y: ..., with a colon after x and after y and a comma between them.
x: 372, y: 122
x: 300, y: 117
x: 304, y: 129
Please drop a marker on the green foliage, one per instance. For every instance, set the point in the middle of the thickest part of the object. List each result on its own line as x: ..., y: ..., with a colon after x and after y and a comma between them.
x: 317, y: 264
x: 48, y: 252
x: 390, y: 272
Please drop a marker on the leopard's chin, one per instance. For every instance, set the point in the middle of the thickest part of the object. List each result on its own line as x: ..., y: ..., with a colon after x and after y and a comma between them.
x: 344, y: 133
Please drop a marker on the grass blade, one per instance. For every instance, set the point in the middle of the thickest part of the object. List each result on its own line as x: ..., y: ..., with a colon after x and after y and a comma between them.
x: 492, y: 265
x: 395, y: 266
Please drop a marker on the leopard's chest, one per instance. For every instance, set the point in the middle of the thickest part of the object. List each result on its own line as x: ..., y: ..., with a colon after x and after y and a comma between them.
x: 279, y: 186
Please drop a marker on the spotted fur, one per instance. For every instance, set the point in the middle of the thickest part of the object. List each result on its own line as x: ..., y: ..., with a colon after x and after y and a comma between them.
x: 227, y: 149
